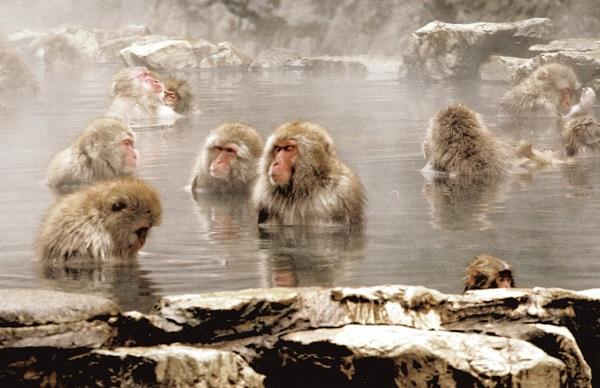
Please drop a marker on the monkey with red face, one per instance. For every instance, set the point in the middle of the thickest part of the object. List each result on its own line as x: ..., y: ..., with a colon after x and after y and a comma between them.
x: 138, y: 99
x: 302, y: 180
x: 548, y: 91
x: 228, y: 161
x: 104, y: 150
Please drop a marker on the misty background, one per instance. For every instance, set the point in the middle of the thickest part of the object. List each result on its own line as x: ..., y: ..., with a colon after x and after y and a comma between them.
x: 311, y: 27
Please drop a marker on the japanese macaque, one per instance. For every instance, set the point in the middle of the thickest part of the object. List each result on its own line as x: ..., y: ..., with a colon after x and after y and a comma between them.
x: 460, y: 145
x: 104, y: 150
x: 178, y: 95
x: 138, y: 99
x: 108, y: 220
x: 229, y: 159
x: 301, y: 180
x: 581, y: 130
x: 488, y: 272
x: 548, y: 91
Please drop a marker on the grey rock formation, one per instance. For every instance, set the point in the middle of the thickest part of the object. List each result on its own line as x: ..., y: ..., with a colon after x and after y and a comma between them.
x: 441, y: 50
x: 274, y: 58
x: 500, y: 68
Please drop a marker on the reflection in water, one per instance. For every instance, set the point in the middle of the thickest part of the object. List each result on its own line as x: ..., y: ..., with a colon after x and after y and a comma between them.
x: 125, y: 282
x: 222, y: 215
x: 309, y: 256
x: 458, y: 204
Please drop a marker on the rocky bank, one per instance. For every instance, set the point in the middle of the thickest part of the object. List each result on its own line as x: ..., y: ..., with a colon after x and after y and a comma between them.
x: 376, y: 336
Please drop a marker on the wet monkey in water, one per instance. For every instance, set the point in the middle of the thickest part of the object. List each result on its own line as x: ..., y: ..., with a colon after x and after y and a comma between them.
x: 301, y: 180
x: 104, y: 150
x: 178, y: 95
x: 228, y: 160
x: 488, y: 272
x: 104, y: 221
x: 138, y: 98
x: 548, y: 91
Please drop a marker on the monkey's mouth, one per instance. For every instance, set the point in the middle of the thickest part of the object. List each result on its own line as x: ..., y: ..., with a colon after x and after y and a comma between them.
x: 141, y: 234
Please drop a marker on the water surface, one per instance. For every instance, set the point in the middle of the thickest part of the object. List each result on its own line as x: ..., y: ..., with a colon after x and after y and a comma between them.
x: 415, y: 233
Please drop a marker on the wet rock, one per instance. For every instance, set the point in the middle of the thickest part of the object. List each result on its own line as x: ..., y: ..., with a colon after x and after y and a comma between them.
x: 137, y: 329
x: 27, y: 307
x: 500, y: 68
x: 359, y: 65
x: 580, y: 45
x: 274, y: 58
x: 226, y: 55
x: 556, y: 341
x: 111, y: 48
x: 399, y: 356
x: 92, y: 334
x: 441, y: 50
x: 70, y: 46
x: 161, y: 56
x: 162, y: 366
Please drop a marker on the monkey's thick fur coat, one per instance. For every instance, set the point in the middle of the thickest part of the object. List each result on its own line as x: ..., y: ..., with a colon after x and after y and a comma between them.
x: 322, y: 191
x: 99, y: 222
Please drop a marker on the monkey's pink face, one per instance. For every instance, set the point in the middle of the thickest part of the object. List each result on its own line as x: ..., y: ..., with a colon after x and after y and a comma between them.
x: 566, y: 100
x: 129, y: 155
x: 152, y: 82
x: 223, y: 159
x: 281, y: 169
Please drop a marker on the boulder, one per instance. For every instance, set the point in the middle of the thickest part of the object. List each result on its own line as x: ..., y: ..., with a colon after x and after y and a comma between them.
x: 500, y: 68
x: 274, y: 58
x: 163, y: 55
x: 578, y: 44
x: 379, y: 355
x: 226, y: 55
x: 359, y: 65
x: 441, y: 50
x: 162, y: 366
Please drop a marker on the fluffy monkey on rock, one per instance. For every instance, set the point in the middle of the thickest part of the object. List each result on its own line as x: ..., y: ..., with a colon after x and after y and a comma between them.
x: 302, y: 181
x: 107, y: 220
x: 104, y: 150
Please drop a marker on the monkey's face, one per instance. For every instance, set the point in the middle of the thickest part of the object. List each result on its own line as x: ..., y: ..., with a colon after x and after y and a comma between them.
x: 565, y: 101
x: 284, y: 157
x: 129, y: 211
x: 223, y: 160
x: 171, y: 98
x: 129, y: 155
x: 148, y: 82
x: 504, y: 279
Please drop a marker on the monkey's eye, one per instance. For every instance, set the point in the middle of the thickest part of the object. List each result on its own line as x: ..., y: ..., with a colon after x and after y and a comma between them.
x: 288, y: 148
x: 118, y: 206
x: 230, y: 150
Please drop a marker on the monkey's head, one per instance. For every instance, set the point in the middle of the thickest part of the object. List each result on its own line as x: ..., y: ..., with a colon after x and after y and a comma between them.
x: 488, y: 272
x: 110, y: 146
x: 231, y: 152
x: 297, y: 156
x: 127, y: 208
x: 137, y: 82
x: 178, y: 94
x: 559, y: 83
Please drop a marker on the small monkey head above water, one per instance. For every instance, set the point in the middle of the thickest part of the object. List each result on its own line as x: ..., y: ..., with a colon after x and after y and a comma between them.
x: 137, y: 82
x: 488, y: 272
x: 178, y: 95
x: 103, y: 221
x: 228, y: 160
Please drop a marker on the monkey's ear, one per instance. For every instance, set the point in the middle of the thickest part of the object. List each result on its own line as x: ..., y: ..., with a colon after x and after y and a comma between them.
x: 118, y: 206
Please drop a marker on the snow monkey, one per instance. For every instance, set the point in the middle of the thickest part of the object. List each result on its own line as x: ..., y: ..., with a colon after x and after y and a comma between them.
x: 228, y: 160
x: 581, y: 129
x: 548, y: 91
x: 107, y: 220
x: 104, y: 150
x: 178, y: 95
x: 138, y: 98
x: 458, y: 143
x: 488, y: 272
x: 301, y: 180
